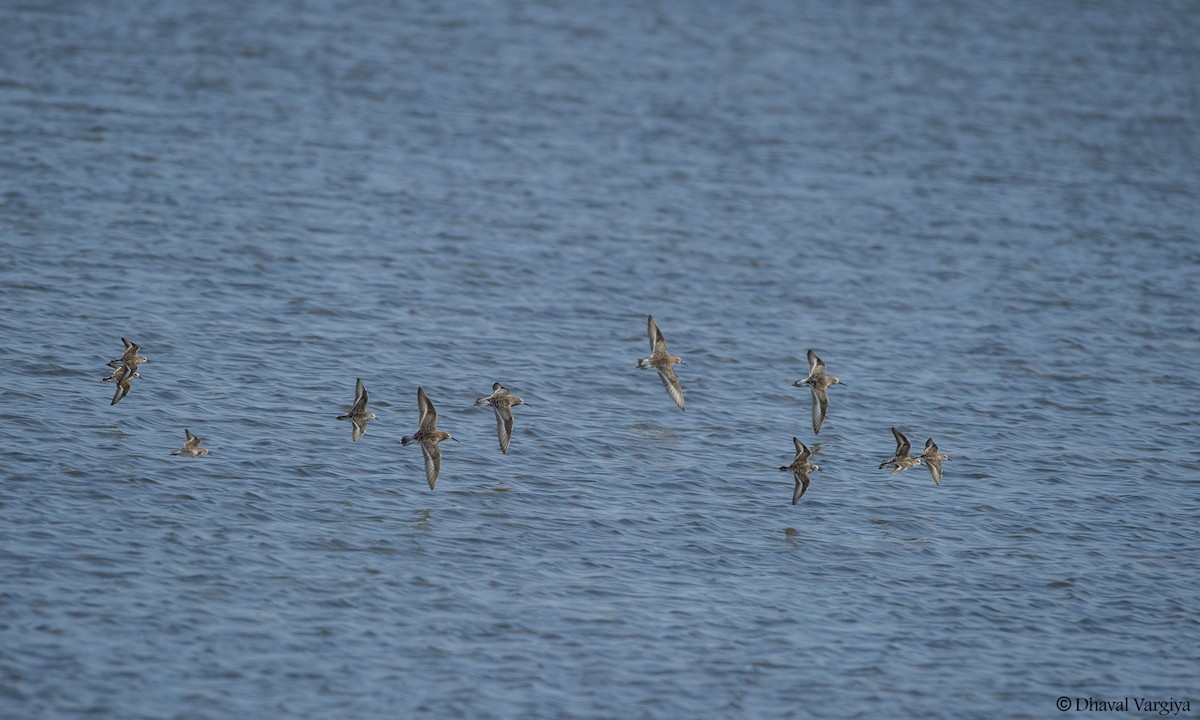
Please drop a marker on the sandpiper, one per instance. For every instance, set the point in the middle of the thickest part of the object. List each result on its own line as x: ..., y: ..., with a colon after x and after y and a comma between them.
x: 502, y: 401
x: 901, y: 459
x: 428, y: 435
x: 800, y: 468
x: 662, y: 361
x: 191, y: 448
x: 933, y: 460
x: 122, y: 376
x: 120, y: 371
x: 130, y: 356
x: 819, y: 383
x: 358, y: 415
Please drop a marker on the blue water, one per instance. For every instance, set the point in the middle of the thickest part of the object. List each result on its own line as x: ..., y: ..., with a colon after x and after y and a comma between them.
x: 982, y: 216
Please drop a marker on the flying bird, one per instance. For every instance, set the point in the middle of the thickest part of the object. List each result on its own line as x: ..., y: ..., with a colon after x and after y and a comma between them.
x: 502, y: 401
x: 358, y: 415
x: 428, y: 436
x: 933, y: 460
x: 800, y: 468
x: 819, y: 383
x: 191, y: 448
x: 662, y: 361
x: 901, y: 460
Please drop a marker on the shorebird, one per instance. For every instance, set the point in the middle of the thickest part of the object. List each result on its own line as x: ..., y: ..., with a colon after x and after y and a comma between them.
x: 901, y: 459
x: 502, y: 401
x: 122, y: 376
x: 130, y: 356
x: 819, y: 383
x: 121, y: 370
x: 191, y: 448
x: 933, y: 460
x: 358, y: 415
x: 428, y: 435
x: 662, y: 361
x: 800, y: 468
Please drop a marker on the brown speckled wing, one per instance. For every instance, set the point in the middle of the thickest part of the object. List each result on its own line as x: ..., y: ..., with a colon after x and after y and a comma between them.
x: 671, y: 383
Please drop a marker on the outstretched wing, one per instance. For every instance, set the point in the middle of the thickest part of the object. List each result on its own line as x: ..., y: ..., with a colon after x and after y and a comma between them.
x: 802, y: 483
x: 657, y: 342
x: 504, y: 425
x: 433, y: 461
x: 428, y: 422
x: 815, y: 366
x: 671, y: 383
x: 122, y: 391
x: 935, y: 469
x: 820, y: 406
x: 360, y: 397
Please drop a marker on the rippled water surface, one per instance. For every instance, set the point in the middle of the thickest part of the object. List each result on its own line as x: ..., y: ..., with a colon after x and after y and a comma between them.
x: 982, y: 216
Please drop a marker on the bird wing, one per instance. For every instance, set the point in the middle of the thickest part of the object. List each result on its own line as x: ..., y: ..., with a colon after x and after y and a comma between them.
x: 935, y: 469
x: 658, y: 343
x: 122, y: 391
x: 802, y: 483
x: 820, y: 406
x: 653, y: 331
x: 360, y: 397
x: 815, y: 365
x: 504, y: 425
x: 433, y: 461
x: 428, y: 421
x: 671, y: 383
